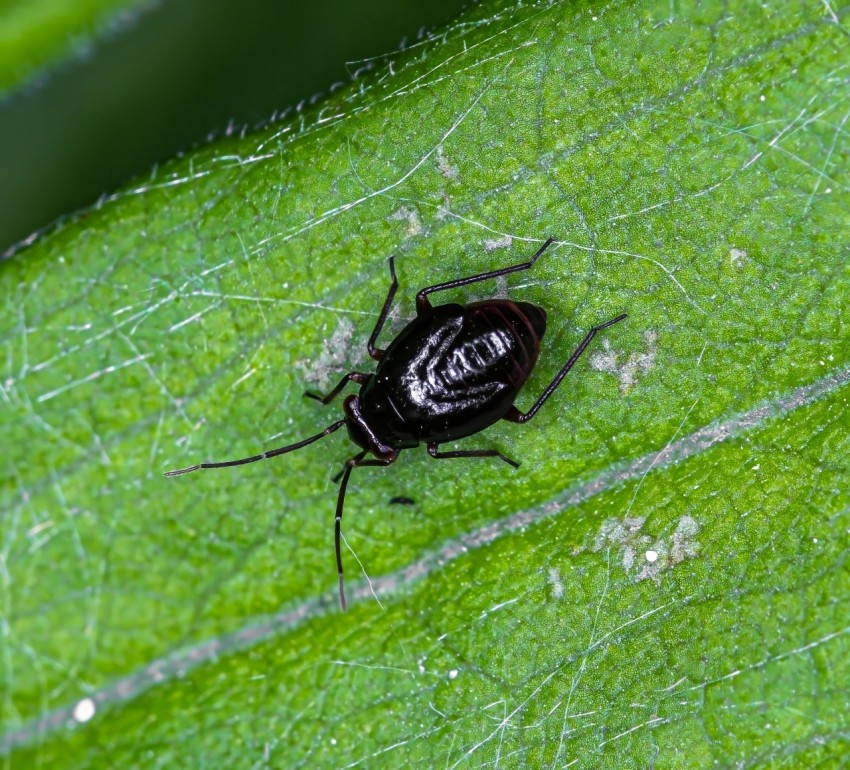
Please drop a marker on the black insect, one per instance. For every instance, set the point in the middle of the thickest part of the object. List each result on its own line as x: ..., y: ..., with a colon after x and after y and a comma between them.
x: 402, y: 501
x: 451, y: 372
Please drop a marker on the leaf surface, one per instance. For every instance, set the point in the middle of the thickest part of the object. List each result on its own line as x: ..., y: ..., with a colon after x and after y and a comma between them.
x: 664, y: 581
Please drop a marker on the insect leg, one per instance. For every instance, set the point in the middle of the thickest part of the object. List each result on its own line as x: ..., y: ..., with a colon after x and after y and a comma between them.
x: 433, y: 450
x: 264, y: 456
x: 354, y: 462
x: 359, y: 377
x: 514, y: 415
x: 377, y: 353
x: 423, y: 305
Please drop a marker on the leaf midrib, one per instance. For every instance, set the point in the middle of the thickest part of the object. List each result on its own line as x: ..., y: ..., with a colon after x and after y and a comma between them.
x: 181, y: 662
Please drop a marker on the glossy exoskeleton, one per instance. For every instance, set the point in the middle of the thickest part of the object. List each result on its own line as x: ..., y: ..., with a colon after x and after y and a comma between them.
x: 451, y: 372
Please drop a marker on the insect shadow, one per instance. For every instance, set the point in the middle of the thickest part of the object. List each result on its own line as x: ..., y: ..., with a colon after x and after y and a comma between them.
x: 451, y: 372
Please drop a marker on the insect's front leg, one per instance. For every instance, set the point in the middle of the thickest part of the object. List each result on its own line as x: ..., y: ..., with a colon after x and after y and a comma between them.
x: 359, y: 377
x: 423, y: 305
x: 376, y: 352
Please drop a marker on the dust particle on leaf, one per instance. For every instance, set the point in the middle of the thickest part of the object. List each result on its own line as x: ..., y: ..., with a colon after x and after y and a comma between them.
x: 491, y: 244
x: 333, y: 357
x: 446, y: 168
x: 738, y: 257
x: 556, y: 583
x: 643, y: 556
x: 638, y: 363
x: 411, y: 217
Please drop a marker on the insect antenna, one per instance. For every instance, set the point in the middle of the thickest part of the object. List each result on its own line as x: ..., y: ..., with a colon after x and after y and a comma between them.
x: 264, y: 456
x: 338, y: 525
x: 358, y: 461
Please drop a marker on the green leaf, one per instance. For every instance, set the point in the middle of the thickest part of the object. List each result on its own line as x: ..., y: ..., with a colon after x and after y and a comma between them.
x: 37, y: 33
x: 662, y: 583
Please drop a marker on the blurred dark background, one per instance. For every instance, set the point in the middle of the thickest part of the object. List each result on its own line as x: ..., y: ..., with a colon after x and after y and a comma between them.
x: 183, y: 70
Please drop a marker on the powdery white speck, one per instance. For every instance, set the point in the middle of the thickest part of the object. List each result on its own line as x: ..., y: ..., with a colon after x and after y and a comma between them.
x: 738, y: 257
x: 453, y: 674
x: 651, y: 556
x: 634, y: 366
x: 555, y: 582
x: 84, y: 710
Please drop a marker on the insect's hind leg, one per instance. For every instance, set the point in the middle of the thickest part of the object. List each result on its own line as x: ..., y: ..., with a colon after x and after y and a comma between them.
x: 359, y: 377
x: 377, y: 353
x: 423, y: 305
x: 514, y: 415
x: 434, y: 451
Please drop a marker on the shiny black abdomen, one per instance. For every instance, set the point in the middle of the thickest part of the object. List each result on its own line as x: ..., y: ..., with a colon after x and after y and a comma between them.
x: 452, y: 372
